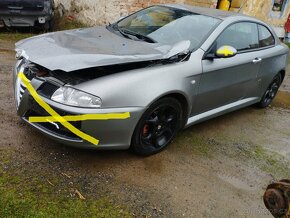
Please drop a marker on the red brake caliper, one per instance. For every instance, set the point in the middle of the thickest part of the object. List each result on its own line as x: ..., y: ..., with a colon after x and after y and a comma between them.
x: 145, y: 129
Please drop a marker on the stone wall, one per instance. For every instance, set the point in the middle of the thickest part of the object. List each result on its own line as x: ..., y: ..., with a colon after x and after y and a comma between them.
x: 98, y: 12
x: 104, y: 11
x: 261, y: 9
x: 202, y: 3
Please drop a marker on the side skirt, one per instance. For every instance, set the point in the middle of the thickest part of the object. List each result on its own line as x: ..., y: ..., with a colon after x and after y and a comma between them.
x: 221, y: 110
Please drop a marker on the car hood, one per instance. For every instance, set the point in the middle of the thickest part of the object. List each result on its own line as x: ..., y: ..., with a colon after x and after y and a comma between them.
x: 92, y: 47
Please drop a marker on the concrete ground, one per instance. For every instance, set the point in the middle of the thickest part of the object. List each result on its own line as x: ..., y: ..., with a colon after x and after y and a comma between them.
x: 219, y: 168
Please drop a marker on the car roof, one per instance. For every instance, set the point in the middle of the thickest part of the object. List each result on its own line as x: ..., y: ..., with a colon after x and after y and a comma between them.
x: 220, y: 14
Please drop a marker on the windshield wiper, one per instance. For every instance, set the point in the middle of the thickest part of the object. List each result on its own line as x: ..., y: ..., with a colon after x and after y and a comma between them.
x: 116, y: 27
x: 139, y: 36
x: 127, y: 33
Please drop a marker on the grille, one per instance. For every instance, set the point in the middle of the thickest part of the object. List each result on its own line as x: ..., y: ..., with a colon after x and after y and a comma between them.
x: 20, y: 89
x: 19, y: 86
x: 46, y: 90
x: 59, y: 130
x: 55, y: 128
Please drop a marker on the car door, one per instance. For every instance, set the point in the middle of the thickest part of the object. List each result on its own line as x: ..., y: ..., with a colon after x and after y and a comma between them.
x: 228, y: 80
x: 271, y: 62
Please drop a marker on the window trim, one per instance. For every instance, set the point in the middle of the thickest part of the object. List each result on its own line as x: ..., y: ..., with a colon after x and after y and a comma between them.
x: 245, y: 51
x: 279, y: 14
x: 270, y: 33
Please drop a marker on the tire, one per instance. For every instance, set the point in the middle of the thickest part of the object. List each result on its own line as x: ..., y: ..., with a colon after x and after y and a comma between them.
x: 48, y: 26
x: 51, y: 25
x: 157, y: 127
x: 271, y: 92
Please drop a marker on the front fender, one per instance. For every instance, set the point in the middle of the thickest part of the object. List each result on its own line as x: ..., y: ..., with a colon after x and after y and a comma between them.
x: 141, y: 87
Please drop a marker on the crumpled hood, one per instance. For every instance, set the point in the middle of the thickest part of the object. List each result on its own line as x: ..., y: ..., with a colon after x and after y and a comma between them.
x: 91, y: 47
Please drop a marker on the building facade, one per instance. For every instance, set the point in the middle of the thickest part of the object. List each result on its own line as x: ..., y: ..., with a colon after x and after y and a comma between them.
x: 107, y: 11
x: 274, y: 12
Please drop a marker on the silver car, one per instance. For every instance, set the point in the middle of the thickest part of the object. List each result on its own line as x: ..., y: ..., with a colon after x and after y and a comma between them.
x: 137, y: 82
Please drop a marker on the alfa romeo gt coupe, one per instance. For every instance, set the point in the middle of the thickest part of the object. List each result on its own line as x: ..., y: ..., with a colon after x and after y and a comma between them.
x: 137, y: 82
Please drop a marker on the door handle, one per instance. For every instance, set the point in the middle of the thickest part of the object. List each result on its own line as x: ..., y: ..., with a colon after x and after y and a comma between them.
x: 257, y: 60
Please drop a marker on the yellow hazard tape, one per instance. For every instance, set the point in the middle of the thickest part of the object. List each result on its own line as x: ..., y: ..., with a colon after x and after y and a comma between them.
x: 64, y: 120
x: 117, y: 116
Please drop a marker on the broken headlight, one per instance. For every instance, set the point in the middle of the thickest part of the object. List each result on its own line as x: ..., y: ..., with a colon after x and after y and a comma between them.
x: 73, y: 97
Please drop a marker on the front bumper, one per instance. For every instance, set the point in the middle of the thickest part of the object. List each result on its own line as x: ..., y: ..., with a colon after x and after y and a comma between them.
x: 23, y: 21
x: 112, y: 134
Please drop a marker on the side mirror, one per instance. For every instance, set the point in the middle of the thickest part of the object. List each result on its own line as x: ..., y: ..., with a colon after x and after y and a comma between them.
x: 226, y: 51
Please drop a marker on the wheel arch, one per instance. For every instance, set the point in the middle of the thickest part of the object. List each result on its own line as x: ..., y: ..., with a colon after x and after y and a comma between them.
x: 181, y: 98
x: 283, y: 74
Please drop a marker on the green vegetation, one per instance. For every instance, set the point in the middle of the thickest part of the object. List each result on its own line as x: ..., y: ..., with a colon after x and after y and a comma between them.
x: 25, y: 195
x: 271, y: 162
x: 236, y: 148
x: 193, y: 141
x: 15, y: 36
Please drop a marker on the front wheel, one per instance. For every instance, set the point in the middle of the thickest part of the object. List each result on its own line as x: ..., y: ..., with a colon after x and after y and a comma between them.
x: 271, y: 92
x: 157, y: 127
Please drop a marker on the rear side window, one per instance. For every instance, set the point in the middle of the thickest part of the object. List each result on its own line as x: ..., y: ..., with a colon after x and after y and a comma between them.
x: 266, y: 38
x: 242, y: 36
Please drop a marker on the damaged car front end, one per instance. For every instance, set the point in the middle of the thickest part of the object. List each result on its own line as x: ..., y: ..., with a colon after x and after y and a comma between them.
x: 82, y: 72
x: 66, y: 100
x: 63, y: 92
x: 137, y: 82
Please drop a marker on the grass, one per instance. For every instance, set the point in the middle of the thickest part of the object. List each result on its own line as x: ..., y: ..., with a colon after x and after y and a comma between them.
x: 234, y: 148
x: 15, y: 36
x: 24, y: 195
x: 29, y: 205
x: 271, y: 162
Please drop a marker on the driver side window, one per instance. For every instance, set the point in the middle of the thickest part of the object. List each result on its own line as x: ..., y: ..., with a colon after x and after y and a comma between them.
x: 242, y: 36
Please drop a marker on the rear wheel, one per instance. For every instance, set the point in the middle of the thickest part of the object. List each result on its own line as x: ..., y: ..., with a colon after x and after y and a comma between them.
x: 271, y: 92
x: 157, y: 127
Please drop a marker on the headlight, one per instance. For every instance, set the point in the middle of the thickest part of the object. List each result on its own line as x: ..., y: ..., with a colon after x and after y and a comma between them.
x: 73, y: 97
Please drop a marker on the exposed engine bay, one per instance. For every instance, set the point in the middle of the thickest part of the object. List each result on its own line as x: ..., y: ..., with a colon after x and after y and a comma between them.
x: 79, y: 76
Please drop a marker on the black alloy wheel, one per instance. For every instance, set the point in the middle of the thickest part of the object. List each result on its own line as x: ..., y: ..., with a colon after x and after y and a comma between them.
x: 157, y: 127
x: 271, y: 92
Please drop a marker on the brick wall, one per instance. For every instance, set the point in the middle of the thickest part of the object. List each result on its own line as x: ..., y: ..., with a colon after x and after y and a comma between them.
x: 104, y: 11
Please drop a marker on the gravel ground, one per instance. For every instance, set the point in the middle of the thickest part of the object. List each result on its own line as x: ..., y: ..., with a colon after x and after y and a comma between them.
x: 219, y: 168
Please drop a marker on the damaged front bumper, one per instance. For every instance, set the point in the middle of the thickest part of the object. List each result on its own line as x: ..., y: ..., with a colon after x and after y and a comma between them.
x: 112, y: 134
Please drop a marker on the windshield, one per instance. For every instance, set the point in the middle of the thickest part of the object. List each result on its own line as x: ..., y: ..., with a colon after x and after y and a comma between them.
x: 169, y: 25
